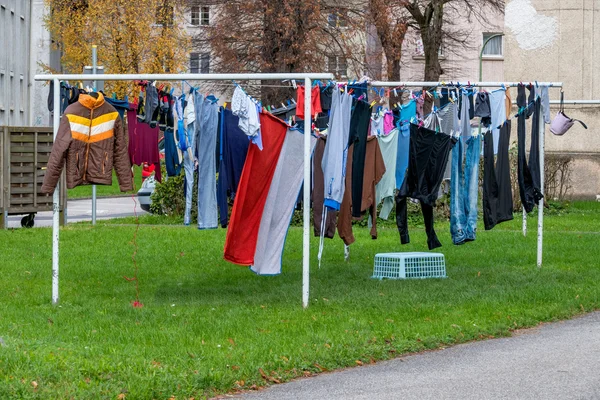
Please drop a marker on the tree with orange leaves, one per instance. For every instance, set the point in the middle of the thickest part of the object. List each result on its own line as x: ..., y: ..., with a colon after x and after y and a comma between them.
x: 142, y: 36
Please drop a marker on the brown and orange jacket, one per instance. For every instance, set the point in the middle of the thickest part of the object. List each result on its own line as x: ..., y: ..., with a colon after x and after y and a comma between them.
x: 92, y: 140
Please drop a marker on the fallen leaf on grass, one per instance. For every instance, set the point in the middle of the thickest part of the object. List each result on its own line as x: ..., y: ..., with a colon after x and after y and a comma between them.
x: 50, y: 321
x: 231, y: 341
x: 327, y: 345
x: 240, y: 383
x: 121, y: 396
x: 479, y: 273
x: 358, y: 362
x: 284, y: 358
x: 235, y: 367
x: 323, y: 369
x: 155, y: 364
x: 34, y: 384
x: 267, y: 377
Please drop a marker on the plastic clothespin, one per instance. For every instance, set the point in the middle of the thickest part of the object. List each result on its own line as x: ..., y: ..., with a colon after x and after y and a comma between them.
x: 225, y: 105
x: 294, y: 84
x: 395, y: 92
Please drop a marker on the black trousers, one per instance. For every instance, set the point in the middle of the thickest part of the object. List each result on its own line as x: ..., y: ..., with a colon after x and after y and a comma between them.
x: 427, y: 159
x: 497, y: 190
x: 359, y: 130
x: 528, y: 192
x: 534, y: 151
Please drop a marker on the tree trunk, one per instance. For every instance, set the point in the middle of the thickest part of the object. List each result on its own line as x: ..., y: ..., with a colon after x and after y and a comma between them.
x: 431, y: 34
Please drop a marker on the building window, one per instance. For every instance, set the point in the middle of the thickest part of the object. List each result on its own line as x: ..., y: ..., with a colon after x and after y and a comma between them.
x: 420, y: 49
x: 205, y: 63
x: 195, y: 20
x: 494, y: 46
x: 337, y: 20
x: 204, y: 15
x: 194, y: 63
x: 338, y: 66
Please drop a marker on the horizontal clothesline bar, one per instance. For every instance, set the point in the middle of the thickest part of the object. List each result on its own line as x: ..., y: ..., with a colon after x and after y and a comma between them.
x: 573, y: 102
x: 576, y: 102
x: 443, y: 84
x: 179, y: 77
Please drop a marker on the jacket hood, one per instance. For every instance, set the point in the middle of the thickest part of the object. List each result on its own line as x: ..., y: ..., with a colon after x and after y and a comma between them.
x: 91, y: 102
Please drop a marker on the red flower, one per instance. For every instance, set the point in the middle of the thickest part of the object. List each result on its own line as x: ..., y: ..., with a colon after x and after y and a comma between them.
x: 137, y: 304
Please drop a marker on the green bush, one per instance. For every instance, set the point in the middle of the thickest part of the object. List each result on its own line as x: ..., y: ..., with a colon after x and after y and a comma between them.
x: 169, y: 199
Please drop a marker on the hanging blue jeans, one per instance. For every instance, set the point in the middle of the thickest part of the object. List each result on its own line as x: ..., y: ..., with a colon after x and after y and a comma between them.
x: 206, y: 145
x: 171, y: 156
x: 189, y: 168
x: 464, y: 190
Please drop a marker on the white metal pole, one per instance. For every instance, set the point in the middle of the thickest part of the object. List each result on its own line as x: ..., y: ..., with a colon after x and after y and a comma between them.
x: 94, y: 63
x: 540, y: 241
x: 55, y: 199
x: 306, y: 200
x: 185, y: 77
x: 524, y: 222
x: 452, y: 84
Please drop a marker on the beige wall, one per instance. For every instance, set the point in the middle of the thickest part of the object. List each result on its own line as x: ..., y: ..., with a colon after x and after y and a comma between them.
x: 559, y: 40
x: 459, y: 63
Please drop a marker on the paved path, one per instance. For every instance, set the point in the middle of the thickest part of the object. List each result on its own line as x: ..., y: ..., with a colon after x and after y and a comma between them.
x: 81, y: 210
x: 555, y: 361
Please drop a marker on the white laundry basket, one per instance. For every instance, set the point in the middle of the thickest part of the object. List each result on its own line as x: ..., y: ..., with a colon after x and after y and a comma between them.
x: 409, y: 265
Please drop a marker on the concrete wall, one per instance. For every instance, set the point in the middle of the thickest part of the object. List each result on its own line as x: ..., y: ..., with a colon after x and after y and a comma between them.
x: 40, y: 53
x: 15, y: 23
x: 24, y: 45
x: 559, y: 40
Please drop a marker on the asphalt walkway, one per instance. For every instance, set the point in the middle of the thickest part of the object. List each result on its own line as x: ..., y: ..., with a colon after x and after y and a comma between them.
x: 81, y: 210
x: 555, y: 361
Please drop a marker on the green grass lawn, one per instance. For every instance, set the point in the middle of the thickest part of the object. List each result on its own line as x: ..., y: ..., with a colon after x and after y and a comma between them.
x: 84, y: 192
x: 209, y: 327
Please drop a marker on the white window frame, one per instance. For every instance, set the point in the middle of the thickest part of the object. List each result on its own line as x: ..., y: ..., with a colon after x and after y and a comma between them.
x: 204, y: 15
x: 334, y: 20
x: 204, y: 63
x: 336, y: 70
x: 484, y: 37
x: 194, y: 59
x: 195, y: 16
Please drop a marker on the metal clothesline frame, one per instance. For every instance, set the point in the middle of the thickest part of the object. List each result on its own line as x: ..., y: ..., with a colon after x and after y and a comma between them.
x: 308, y: 78
x: 540, y: 235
